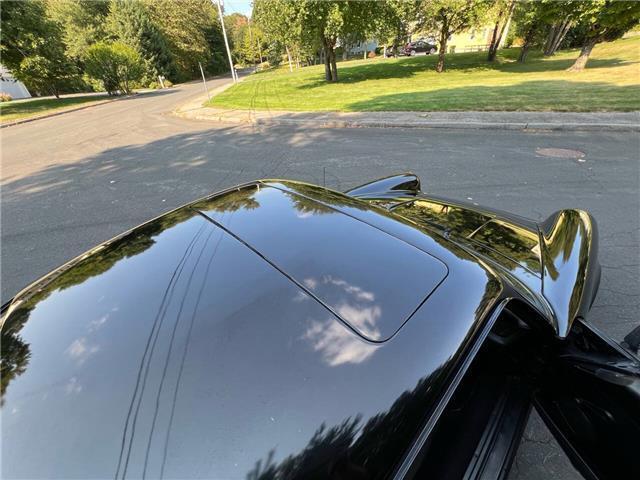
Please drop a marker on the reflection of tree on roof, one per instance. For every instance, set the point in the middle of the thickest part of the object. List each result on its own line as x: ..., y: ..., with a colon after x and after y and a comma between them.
x: 336, y: 453
x: 15, y: 352
x: 232, y: 201
x: 508, y: 240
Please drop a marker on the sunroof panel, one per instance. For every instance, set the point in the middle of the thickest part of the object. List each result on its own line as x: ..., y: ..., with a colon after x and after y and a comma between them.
x: 370, y: 279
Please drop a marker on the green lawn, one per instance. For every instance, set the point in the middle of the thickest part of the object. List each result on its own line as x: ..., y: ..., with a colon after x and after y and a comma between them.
x: 610, y: 82
x: 10, y: 111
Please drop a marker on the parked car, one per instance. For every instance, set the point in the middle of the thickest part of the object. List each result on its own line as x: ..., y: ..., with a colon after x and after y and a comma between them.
x: 397, y: 52
x: 284, y: 330
x: 421, y: 46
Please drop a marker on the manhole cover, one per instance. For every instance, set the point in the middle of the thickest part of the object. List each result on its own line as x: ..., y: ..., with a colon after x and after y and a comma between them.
x: 560, y: 153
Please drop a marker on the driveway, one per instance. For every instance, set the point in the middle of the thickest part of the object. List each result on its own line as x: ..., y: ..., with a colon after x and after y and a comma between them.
x: 75, y: 180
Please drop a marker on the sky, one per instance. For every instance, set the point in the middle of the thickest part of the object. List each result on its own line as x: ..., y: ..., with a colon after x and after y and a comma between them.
x: 237, y: 6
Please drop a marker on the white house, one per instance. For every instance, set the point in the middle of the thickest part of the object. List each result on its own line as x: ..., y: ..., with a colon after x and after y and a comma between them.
x: 11, y: 86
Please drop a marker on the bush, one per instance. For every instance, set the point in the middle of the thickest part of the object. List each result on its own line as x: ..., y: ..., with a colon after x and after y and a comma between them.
x: 167, y: 83
x: 154, y: 85
x: 5, y: 97
x: 117, y: 65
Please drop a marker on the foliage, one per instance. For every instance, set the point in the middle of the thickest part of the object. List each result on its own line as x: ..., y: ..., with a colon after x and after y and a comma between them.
x: 82, y: 23
x: 5, y: 97
x: 129, y: 22
x: 397, y: 20
x: 33, y: 49
x: 603, y: 21
x: 452, y: 16
x: 117, y: 65
x: 327, y: 21
x: 193, y: 35
x: 606, y: 20
x: 279, y: 22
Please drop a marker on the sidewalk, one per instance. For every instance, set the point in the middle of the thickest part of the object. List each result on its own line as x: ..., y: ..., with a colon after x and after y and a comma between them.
x: 562, y: 121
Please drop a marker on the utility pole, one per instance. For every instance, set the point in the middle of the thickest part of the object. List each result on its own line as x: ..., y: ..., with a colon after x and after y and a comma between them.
x: 226, y: 42
x: 255, y: 66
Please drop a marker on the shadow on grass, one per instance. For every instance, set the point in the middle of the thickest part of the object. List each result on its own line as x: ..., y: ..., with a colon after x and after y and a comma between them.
x: 460, y: 63
x: 545, y: 95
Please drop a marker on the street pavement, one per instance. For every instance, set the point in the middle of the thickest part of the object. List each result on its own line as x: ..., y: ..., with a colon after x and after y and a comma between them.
x: 73, y: 181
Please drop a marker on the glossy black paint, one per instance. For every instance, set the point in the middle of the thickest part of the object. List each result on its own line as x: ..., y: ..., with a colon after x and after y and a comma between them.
x: 176, y: 351
x: 571, y: 273
x: 206, y: 343
x: 393, y: 186
x: 333, y: 258
x: 589, y: 396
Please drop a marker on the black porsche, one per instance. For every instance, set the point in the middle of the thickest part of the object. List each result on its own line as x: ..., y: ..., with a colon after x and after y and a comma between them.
x: 283, y: 330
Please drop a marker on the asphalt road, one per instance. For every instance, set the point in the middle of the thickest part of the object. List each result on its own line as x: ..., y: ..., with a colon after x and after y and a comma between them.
x: 75, y: 180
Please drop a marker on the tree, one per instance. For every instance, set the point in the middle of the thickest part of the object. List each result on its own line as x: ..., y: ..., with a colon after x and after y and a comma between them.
x: 33, y: 49
x: 528, y: 26
x: 117, y: 65
x: 604, y: 21
x: 82, y: 23
x: 328, y: 21
x: 396, y: 20
x: 280, y: 22
x: 193, y: 35
x: 449, y: 17
x: 503, y: 11
x: 129, y: 22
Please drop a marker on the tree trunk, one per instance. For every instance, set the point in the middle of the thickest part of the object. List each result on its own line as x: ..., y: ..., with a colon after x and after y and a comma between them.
x: 327, y: 66
x: 334, y: 66
x: 581, y: 61
x: 491, y: 55
x: 498, y: 32
x: 345, y: 47
x: 444, y: 36
x: 526, y: 44
x: 523, y: 53
x: 326, y: 58
x: 289, y: 56
x: 364, y: 47
x: 555, y: 36
x: 563, y: 32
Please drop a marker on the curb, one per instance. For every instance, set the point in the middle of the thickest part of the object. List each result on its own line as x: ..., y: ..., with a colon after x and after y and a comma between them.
x: 62, y: 112
x: 201, y: 114
x: 454, y: 125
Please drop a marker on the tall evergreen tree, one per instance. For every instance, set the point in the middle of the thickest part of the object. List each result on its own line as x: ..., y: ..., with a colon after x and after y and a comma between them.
x: 129, y: 22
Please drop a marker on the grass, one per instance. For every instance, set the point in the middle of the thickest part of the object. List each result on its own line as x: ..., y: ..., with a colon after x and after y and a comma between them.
x: 10, y: 111
x: 611, y: 82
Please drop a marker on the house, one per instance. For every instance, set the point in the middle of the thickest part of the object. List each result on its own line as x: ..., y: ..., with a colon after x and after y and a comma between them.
x: 10, y: 86
x: 473, y: 40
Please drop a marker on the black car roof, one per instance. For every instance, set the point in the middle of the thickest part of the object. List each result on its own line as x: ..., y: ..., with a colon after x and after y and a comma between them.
x: 176, y: 350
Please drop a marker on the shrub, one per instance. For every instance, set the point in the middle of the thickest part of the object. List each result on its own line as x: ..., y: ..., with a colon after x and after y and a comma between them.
x: 117, y: 65
x: 154, y: 85
x: 5, y: 97
x: 167, y: 83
